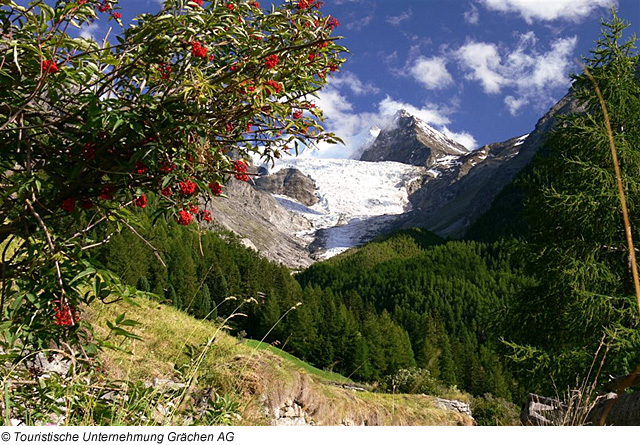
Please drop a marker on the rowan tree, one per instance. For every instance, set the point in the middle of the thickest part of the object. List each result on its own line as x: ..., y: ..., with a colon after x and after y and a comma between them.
x: 159, y: 115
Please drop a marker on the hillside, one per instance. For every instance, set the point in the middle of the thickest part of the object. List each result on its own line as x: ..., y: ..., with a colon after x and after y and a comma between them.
x: 262, y: 387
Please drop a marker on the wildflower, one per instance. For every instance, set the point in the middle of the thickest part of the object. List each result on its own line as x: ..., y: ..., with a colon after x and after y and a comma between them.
x: 187, y: 187
x: 184, y: 218
x: 49, y: 66
x: 167, y: 191
x: 271, y: 61
x: 69, y: 204
x: 193, y: 209
x: 206, y: 216
x: 333, y: 23
x: 140, y: 201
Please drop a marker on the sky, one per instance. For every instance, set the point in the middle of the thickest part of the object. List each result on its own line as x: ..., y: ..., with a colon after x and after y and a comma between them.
x: 481, y: 71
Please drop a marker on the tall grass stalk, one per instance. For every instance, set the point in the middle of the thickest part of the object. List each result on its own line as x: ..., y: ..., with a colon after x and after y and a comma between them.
x: 627, y: 227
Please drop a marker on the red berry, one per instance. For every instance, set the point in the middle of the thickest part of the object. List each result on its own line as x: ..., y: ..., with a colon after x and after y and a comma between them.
x: 140, y: 201
x: 184, y: 218
x: 216, y: 188
x: 49, y: 66
x: 69, y: 204
x: 187, y: 187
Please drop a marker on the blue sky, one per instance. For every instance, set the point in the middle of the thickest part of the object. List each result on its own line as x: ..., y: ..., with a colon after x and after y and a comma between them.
x: 482, y: 71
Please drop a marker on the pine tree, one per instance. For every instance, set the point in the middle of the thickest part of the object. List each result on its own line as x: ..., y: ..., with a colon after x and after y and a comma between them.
x: 577, y: 249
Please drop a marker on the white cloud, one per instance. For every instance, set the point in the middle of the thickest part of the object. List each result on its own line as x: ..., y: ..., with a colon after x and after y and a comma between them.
x: 430, y: 113
x: 472, y: 16
x: 354, y: 83
x: 529, y: 74
x: 89, y: 31
x: 395, y: 20
x: 353, y: 127
x: 431, y: 73
x: 482, y: 61
x: 360, y: 23
x: 538, y: 10
x: 464, y: 138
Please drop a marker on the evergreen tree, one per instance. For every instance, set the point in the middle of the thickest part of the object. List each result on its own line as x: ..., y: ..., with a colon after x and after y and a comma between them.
x: 143, y: 284
x: 203, y: 302
x: 577, y: 249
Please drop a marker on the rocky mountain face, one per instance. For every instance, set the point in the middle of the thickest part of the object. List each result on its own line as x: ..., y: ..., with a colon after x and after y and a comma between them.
x: 408, y: 175
x: 292, y: 183
x: 411, y: 141
x: 263, y: 223
x: 451, y: 202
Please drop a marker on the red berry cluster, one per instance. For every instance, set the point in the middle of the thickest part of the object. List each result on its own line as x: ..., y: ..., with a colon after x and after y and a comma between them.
x: 184, y: 218
x: 230, y: 6
x: 197, y: 50
x: 89, y: 151
x: 108, y: 192
x: 140, y: 201
x: 274, y: 85
x: 255, y: 4
x: 305, y: 4
x: 206, y: 216
x: 199, y: 2
x: 187, y: 188
x: 167, y: 167
x: 297, y: 114
x: 216, y: 188
x: 65, y: 316
x: 104, y: 6
x: 333, y: 23
x: 49, y: 66
x: 140, y: 168
x: 69, y: 204
x: 271, y: 61
x: 240, y: 168
x: 165, y: 71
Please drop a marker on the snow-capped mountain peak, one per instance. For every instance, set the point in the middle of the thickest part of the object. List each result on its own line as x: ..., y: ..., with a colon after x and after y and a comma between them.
x: 410, y: 140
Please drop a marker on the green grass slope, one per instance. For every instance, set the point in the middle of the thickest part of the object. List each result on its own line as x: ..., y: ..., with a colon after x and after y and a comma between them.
x: 257, y: 379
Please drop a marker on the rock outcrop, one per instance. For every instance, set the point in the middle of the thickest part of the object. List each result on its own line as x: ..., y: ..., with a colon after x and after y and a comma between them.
x: 292, y: 183
x: 257, y: 217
